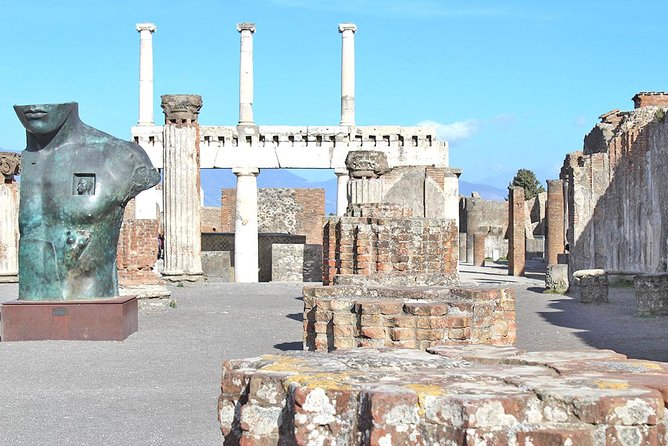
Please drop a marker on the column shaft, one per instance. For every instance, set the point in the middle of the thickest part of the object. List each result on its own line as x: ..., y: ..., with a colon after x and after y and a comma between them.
x: 479, y: 248
x: 347, y: 31
x: 246, y: 226
x: 341, y: 192
x: 517, y: 234
x: 554, y: 245
x: 146, y: 31
x: 181, y: 187
x: 246, y: 73
x: 9, y: 231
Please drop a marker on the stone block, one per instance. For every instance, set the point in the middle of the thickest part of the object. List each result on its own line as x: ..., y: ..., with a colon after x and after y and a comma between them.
x: 556, y: 278
x: 593, y: 285
x: 651, y: 294
x: 218, y: 264
x: 287, y: 263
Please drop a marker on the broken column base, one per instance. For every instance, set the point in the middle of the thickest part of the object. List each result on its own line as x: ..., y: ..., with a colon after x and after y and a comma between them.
x: 92, y: 320
x: 344, y: 317
x: 593, y: 285
x: 651, y: 294
x: 556, y: 278
x: 473, y: 395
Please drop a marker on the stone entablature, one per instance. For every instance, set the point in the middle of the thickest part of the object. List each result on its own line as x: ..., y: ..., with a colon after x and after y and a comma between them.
x: 453, y: 395
x: 317, y: 147
x: 343, y: 317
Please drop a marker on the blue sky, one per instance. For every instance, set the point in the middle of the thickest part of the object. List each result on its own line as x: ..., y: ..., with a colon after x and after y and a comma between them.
x: 512, y: 84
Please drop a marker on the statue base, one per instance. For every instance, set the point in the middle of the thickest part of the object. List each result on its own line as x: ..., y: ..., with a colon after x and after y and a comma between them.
x: 92, y: 320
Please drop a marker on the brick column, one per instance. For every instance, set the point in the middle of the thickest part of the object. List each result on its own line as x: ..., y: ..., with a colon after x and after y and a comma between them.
x: 554, y: 244
x: 245, y: 230
x: 146, y: 31
x: 472, y: 224
x: 9, y: 218
x: 516, y: 230
x: 181, y: 187
x: 479, y: 248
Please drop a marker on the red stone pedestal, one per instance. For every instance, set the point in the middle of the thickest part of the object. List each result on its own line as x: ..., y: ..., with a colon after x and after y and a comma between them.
x: 93, y: 320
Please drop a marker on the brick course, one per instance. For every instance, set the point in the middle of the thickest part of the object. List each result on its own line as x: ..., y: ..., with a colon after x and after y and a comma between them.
x: 342, y: 317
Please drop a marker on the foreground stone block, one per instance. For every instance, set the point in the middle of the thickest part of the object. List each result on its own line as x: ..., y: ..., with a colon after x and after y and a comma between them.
x: 453, y: 395
x: 593, y: 285
x: 556, y: 278
x: 651, y: 294
x: 343, y: 317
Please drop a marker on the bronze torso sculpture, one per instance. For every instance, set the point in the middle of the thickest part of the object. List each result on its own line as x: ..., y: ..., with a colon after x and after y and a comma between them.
x: 75, y: 183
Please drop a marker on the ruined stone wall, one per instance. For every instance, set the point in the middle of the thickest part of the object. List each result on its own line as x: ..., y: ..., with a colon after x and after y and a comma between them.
x: 282, y: 210
x: 484, y: 216
x: 137, y: 252
x: 210, y: 219
x: 385, y: 247
x: 617, y: 201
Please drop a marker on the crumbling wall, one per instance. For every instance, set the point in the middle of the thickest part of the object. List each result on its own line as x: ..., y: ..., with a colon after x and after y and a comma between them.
x: 617, y: 200
x: 281, y: 210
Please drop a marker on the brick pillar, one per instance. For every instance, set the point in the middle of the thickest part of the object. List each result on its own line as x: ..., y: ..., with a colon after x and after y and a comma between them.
x: 472, y: 224
x: 554, y: 244
x: 516, y: 230
x: 479, y: 248
x: 181, y: 187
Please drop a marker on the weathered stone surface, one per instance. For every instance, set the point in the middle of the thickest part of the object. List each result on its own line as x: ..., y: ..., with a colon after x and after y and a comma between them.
x: 516, y: 232
x: 218, y: 264
x: 556, y: 278
x: 287, y: 263
x: 593, y: 285
x: 651, y: 294
x: 10, y: 164
x: 367, y: 163
x: 342, y: 317
x: 454, y: 395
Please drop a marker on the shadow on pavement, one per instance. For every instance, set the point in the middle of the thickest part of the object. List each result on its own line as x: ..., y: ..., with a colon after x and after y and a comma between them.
x: 287, y: 346
x: 612, y: 325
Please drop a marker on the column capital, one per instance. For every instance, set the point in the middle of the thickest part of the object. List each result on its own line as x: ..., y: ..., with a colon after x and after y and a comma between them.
x: 146, y: 27
x: 245, y: 171
x: 245, y: 26
x: 181, y: 108
x: 347, y: 27
x: 10, y: 165
x: 341, y: 171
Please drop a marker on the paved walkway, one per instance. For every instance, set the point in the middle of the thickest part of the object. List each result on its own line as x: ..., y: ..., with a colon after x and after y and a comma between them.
x: 159, y: 387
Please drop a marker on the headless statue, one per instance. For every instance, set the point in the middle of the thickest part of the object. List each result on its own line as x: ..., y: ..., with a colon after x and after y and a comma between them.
x: 75, y: 183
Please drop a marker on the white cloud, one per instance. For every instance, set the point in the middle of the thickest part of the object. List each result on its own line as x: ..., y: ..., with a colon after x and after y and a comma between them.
x: 581, y: 121
x: 455, y: 131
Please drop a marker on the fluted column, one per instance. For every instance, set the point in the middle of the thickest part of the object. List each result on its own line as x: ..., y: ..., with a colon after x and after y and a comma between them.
x: 341, y: 191
x: 555, y: 221
x: 146, y: 31
x: 347, y: 31
x: 181, y: 185
x: 245, y: 229
x: 246, y: 73
x: 9, y: 217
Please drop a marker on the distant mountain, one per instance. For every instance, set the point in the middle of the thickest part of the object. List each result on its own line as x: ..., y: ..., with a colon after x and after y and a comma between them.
x: 487, y: 192
x: 213, y: 180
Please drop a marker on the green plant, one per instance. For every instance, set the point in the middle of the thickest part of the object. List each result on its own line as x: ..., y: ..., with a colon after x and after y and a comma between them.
x: 660, y: 115
x: 179, y: 285
x: 172, y: 303
x: 527, y: 180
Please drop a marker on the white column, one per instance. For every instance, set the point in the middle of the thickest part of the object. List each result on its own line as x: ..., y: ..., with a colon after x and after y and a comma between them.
x: 146, y: 31
x: 347, y: 31
x: 341, y: 191
x: 451, y: 194
x: 245, y: 233
x: 9, y: 231
x: 246, y: 73
x: 181, y: 185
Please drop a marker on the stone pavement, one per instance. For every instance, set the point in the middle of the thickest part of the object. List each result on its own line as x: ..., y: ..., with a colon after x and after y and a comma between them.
x: 160, y: 385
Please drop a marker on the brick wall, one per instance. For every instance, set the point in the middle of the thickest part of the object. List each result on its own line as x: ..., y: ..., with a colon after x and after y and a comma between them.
x: 344, y: 317
x: 646, y: 99
x: 281, y: 210
x: 210, y: 219
x: 137, y: 251
x: 390, y: 250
